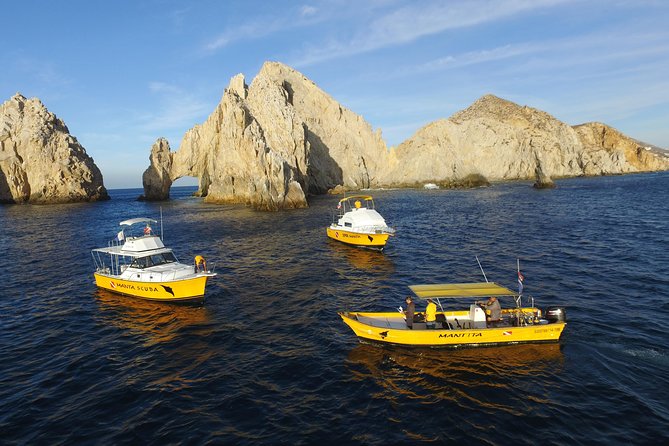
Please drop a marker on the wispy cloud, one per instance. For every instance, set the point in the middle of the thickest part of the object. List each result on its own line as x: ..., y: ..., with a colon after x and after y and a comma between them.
x: 304, y: 15
x: 308, y: 10
x: 177, y: 109
x: 415, y: 20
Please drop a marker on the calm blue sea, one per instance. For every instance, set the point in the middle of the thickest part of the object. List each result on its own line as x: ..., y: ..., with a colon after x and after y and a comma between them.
x: 266, y: 360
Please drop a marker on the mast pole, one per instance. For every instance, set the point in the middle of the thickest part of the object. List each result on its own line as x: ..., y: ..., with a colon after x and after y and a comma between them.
x: 482, y: 272
x: 161, y: 224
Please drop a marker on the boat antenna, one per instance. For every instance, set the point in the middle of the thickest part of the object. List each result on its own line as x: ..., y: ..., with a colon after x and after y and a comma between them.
x: 520, y: 284
x: 161, y: 224
x: 482, y: 272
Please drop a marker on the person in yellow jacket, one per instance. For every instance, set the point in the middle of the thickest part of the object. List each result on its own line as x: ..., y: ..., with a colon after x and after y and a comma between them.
x: 430, y: 314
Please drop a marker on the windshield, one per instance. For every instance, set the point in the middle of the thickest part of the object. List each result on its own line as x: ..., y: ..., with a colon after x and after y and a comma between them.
x: 153, y: 260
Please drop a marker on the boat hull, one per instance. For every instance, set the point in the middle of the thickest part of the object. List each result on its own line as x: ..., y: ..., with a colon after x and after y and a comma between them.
x: 375, y: 241
x: 178, y: 290
x: 393, y: 333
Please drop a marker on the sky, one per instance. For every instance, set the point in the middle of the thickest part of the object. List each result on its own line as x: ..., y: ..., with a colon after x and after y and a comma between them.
x: 123, y: 73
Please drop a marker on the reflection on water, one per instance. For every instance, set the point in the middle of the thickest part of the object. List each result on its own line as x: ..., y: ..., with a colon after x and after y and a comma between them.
x: 456, y: 376
x: 160, y: 321
x: 361, y: 258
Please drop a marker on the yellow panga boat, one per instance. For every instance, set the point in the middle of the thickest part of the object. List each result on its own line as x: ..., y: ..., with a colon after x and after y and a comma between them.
x: 141, y: 266
x: 359, y: 224
x: 465, y: 327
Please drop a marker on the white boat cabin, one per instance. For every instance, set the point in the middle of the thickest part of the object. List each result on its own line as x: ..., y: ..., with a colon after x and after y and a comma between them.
x: 140, y: 257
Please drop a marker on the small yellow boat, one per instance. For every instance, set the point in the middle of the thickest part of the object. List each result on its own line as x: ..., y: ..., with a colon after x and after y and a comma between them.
x: 141, y: 266
x: 463, y: 327
x: 359, y: 224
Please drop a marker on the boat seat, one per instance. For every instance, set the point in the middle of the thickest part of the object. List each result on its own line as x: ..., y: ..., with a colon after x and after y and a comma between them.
x: 477, y: 316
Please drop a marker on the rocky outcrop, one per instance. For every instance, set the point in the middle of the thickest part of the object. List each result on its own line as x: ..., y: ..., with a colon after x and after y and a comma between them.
x: 281, y: 139
x: 270, y: 145
x: 156, y: 178
x: 40, y: 162
x: 500, y: 140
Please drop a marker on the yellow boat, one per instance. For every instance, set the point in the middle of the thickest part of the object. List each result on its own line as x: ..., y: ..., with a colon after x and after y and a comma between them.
x: 141, y: 266
x: 463, y: 327
x: 359, y: 224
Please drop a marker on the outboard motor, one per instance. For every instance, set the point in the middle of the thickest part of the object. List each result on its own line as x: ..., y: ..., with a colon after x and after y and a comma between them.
x: 555, y: 314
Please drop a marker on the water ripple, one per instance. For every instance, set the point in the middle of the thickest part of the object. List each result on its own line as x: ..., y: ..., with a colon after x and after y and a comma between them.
x: 265, y: 359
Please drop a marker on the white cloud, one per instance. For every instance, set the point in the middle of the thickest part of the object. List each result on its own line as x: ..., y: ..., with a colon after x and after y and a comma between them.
x: 163, y: 87
x: 308, y: 10
x: 416, y: 20
x: 176, y: 109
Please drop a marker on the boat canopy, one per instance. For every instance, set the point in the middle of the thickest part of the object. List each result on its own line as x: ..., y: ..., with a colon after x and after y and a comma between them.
x: 357, y: 197
x: 134, y: 221
x: 453, y: 290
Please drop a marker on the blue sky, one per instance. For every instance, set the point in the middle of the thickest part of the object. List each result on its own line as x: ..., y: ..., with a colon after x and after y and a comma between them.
x: 123, y: 73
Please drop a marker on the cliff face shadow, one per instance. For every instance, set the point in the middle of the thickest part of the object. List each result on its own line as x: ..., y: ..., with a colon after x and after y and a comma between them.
x: 5, y: 195
x: 323, y: 172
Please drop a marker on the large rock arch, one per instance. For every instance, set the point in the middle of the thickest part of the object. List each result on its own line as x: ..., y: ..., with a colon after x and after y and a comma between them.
x: 270, y: 145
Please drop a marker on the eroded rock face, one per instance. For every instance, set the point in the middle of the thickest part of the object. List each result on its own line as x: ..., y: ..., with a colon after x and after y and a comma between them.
x: 501, y: 140
x: 40, y: 162
x: 273, y: 143
x: 156, y: 178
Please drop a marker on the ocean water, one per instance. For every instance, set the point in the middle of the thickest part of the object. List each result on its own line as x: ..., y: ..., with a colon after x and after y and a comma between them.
x: 264, y: 359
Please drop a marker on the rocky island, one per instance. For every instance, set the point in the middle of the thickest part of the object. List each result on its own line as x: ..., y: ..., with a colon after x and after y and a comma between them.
x: 281, y: 139
x: 270, y: 145
x: 499, y: 140
x: 40, y: 162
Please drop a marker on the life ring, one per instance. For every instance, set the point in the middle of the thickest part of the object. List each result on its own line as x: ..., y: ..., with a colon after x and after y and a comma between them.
x: 199, y: 260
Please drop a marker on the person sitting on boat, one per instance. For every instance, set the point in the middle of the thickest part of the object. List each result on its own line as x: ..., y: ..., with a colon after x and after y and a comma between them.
x: 430, y: 314
x: 358, y: 204
x: 494, y: 313
x: 409, y: 312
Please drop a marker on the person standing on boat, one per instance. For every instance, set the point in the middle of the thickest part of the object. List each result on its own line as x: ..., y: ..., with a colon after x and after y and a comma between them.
x: 430, y: 314
x: 408, y: 313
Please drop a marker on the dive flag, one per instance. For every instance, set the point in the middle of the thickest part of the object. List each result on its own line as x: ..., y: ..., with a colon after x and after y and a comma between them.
x: 520, y: 282
x: 339, y: 205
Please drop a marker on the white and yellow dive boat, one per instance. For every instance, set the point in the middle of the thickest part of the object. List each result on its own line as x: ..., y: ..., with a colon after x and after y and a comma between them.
x: 359, y: 224
x: 461, y: 328
x: 142, y: 266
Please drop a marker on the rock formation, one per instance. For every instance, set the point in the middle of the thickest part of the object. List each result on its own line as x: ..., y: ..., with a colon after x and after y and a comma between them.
x: 500, y: 140
x: 273, y: 143
x: 40, y: 162
x: 270, y: 145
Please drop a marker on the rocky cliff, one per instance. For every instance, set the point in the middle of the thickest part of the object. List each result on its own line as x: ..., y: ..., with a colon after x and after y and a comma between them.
x: 270, y: 145
x: 500, y: 140
x: 273, y: 143
x: 40, y: 162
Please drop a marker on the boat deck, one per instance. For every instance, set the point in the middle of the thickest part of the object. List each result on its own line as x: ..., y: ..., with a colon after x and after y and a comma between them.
x: 454, y: 323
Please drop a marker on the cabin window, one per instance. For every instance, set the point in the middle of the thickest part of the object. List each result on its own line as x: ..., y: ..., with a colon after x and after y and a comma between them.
x: 348, y: 225
x: 154, y: 260
x: 157, y: 259
x: 142, y: 262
